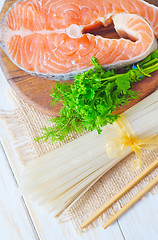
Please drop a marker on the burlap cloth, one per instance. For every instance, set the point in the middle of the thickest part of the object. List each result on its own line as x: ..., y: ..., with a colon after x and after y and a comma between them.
x: 26, y: 123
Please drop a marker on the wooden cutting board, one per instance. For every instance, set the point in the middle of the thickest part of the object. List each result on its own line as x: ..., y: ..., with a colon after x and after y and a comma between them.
x: 36, y: 91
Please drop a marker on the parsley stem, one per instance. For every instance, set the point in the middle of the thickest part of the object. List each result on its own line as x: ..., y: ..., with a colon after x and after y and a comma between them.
x: 150, y: 62
x: 151, y: 69
x: 145, y: 70
x: 113, y: 77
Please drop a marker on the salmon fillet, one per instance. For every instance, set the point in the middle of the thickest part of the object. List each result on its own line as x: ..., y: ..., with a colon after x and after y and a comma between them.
x: 50, y: 37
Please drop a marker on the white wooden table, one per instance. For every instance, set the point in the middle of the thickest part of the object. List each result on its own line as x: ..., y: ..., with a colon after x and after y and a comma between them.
x: 20, y: 219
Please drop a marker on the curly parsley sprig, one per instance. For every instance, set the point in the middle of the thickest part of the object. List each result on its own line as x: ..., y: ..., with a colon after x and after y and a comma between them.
x: 88, y: 104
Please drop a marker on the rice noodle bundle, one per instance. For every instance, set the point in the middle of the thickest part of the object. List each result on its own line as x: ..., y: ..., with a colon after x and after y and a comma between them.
x: 58, y: 178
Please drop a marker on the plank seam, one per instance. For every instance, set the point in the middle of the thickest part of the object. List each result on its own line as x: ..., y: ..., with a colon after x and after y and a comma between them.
x: 121, y: 230
x: 22, y: 199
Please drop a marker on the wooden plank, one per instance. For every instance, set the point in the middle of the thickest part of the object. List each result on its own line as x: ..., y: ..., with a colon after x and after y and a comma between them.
x: 141, y: 221
x: 14, y: 221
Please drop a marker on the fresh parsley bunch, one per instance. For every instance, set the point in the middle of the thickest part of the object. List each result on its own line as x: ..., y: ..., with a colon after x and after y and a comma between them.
x: 89, y: 103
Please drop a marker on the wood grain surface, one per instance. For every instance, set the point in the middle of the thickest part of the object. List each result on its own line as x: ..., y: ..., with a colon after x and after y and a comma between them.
x: 36, y: 91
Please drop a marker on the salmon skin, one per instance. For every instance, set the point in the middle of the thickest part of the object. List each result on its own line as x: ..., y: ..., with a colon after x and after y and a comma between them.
x: 50, y: 38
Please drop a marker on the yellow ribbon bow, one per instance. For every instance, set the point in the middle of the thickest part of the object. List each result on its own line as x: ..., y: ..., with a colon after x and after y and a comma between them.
x: 122, y: 135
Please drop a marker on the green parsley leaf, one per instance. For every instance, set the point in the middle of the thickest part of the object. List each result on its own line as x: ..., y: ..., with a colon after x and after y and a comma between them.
x: 123, y: 83
x: 89, y: 102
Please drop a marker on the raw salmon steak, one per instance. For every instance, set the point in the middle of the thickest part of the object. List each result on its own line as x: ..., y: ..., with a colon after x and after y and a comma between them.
x: 51, y: 38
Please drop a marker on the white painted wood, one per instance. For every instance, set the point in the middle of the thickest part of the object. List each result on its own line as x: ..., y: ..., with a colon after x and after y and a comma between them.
x: 141, y: 221
x: 14, y: 222
x: 1, y: 4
